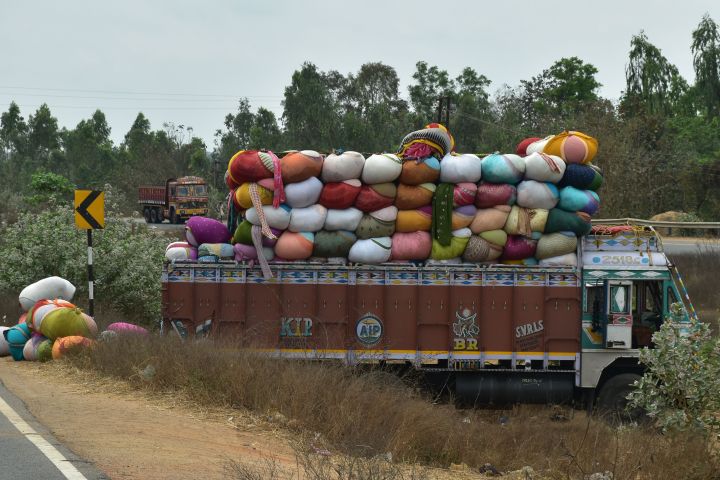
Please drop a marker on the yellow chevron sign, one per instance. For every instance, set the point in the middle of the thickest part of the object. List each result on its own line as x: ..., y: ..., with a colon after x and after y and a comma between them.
x: 89, y: 209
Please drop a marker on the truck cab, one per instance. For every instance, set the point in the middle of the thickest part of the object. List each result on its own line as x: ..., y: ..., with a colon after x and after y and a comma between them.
x: 177, y: 200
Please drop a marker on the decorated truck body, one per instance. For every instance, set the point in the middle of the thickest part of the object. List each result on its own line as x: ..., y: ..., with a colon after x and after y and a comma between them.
x: 177, y: 200
x: 498, y: 333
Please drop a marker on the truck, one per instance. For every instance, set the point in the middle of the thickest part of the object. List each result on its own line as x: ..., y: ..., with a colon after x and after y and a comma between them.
x: 177, y: 200
x: 496, y: 334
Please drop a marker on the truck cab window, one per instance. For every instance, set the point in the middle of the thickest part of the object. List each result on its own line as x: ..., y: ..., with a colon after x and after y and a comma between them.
x: 182, y: 191
x: 647, y: 313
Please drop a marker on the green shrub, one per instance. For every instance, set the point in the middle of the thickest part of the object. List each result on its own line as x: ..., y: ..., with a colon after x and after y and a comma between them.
x: 127, y: 258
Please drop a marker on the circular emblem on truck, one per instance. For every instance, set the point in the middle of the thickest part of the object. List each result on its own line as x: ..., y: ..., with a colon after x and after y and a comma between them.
x: 369, y: 329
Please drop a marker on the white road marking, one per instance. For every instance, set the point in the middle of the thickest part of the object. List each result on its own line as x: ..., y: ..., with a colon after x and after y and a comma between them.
x: 57, y: 458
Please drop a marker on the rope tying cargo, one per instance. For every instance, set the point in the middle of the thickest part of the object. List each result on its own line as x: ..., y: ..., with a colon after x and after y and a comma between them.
x: 257, y: 203
x: 255, y: 234
x: 279, y: 193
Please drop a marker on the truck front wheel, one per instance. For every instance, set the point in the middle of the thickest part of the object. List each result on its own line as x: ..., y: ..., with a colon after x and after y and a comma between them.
x: 612, y: 402
x: 174, y: 217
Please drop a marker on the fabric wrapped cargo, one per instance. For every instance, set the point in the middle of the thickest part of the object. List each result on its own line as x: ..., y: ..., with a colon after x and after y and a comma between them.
x: 40, y: 310
x: 92, y: 326
x: 16, y: 338
x: 381, y: 168
x: 64, y: 322
x: 411, y: 246
x: 245, y: 253
x: 464, y: 194
x: 527, y: 262
x: 276, y: 217
x: 303, y: 194
x: 231, y: 184
x: 205, y: 230
x: 295, y: 245
x: 340, y: 195
x: 480, y: 250
x: 492, y: 194
x: 4, y: 347
x: 537, y: 146
x: 376, y: 196
x: 308, y: 219
x: 496, y: 237
x: 380, y: 223
x: 518, y: 248
x: 419, y: 219
x: 544, y: 168
x: 31, y: 347
x: 371, y: 251
x: 521, y: 148
x: 250, y: 166
x: 47, y: 288
x: 525, y: 221
x: 123, y: 328
x: 414, y: 196
x: 345, y: 166
x: 69, y: 345
x: 177, y: 245
x: 498, y: 168
x: 457, y: 168
x: 208, y: 259
x: 556, y: 244
x: 458, y: 242
x: 567, y: 260
x: 560, y: 220
x: 574, y: 200
x: 573, y: 147
x: 243, y: 234
x: 242, y: 199
x: 347, y: 219
x: 44, y: 350
x: 417, y: 172
x: 532, y: 194
x: 582, y: 177
x: 298, y: 166
x: 181, y: 254
x: 493, y: 218
x: 220, y: 250
x: 463, y: 216
x: 434, y: 139
x: 333, y: 244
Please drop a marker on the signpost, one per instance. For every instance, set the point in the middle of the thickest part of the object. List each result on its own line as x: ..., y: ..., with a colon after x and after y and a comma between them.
x: 89, y: 215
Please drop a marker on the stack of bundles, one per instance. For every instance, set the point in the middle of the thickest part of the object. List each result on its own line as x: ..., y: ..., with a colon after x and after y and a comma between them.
x: 49, y: 318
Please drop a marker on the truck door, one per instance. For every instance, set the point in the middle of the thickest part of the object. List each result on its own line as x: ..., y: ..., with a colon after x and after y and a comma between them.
x: 618, y: 329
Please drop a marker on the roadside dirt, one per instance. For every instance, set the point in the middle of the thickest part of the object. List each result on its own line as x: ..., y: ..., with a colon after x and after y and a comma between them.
x: 134, y: 435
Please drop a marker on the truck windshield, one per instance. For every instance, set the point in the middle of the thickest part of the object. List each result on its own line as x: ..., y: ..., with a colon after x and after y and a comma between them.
x: 200, y: 190
x: 183, y: 191
x: 191, y: 191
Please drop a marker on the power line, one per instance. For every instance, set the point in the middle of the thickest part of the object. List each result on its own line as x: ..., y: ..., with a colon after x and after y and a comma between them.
x: 120, y: 92
x: 152, y: 99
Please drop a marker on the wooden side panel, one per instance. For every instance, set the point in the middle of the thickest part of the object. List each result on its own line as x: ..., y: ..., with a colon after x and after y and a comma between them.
x: 562, y: 319
x: 495, y: 319
x: 528, y: 329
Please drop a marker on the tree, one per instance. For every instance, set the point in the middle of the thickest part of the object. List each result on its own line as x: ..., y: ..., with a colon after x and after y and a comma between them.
x: 13, y: 131
x: 431, y: 83
x: 265, y: 132
x: 706, y: 61
x: 654, y: 85
x: 89, y: 151
x: 472, y: 109
x: 43, y: 136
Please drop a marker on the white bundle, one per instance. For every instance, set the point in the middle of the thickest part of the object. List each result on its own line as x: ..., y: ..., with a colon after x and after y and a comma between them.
x: 544, y: 168
x: 458, y: 168
x: 532, y: 194
x: 381, y: 168
x: 538, y: 146
x: 346, y: 166
x: 303, y: 194
x: 345, y: 219
x: 371, y: 251
x: 276, y: 217
x: 567, y: 260
x: 308, y: 219
x: 48, y: 288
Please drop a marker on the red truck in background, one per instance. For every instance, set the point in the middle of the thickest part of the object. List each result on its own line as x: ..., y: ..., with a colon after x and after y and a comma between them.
x: 177, y: 200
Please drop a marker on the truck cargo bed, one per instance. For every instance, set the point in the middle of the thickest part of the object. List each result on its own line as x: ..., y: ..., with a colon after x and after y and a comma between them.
x: 454, y: 316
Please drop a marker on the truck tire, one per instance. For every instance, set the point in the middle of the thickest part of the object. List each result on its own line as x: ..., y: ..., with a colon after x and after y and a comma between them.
x: 146, y: 214
x: 174, y: 217
x: 612, y: 402
x: 153, y: 216
x: 159, y: 215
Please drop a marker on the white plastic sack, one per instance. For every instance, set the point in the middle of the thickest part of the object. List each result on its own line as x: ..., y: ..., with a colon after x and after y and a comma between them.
x: 568, y: 260
x: 180, y: 254
x: 538, y: 146
x: 276, y: 217
x: 544, y: 168
x: 346, y: 166
x: 47, y: 288
x: 381, y: 168
x: 458, y: 168
x: 532, y: 194
x: 308, y: 219
x: 371, y: 251
x: 303, y: 194
x: 345, y: 219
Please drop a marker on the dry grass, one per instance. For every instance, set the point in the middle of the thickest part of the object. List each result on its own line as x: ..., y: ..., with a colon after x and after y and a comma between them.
x: 364, y: 414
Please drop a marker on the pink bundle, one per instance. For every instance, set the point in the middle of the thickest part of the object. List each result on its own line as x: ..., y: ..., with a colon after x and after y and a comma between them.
x: 519, y: 247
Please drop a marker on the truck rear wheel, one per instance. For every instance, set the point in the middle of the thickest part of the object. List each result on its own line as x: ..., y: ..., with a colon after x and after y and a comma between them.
x: 612, y: 402
x: 146, y: 214
x: 153, y: 216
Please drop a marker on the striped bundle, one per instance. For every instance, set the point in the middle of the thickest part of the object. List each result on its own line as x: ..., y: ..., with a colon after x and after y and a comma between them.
x: 424, y: 203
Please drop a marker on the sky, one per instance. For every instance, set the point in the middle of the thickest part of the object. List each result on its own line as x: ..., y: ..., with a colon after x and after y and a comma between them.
x: 188, y: 62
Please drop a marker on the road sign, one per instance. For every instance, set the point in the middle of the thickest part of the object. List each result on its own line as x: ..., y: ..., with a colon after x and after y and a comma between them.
x: 89, y: 209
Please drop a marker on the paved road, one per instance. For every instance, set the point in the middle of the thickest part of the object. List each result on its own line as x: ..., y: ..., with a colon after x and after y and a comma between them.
x: 688, y: 246
x: 29, y: 451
